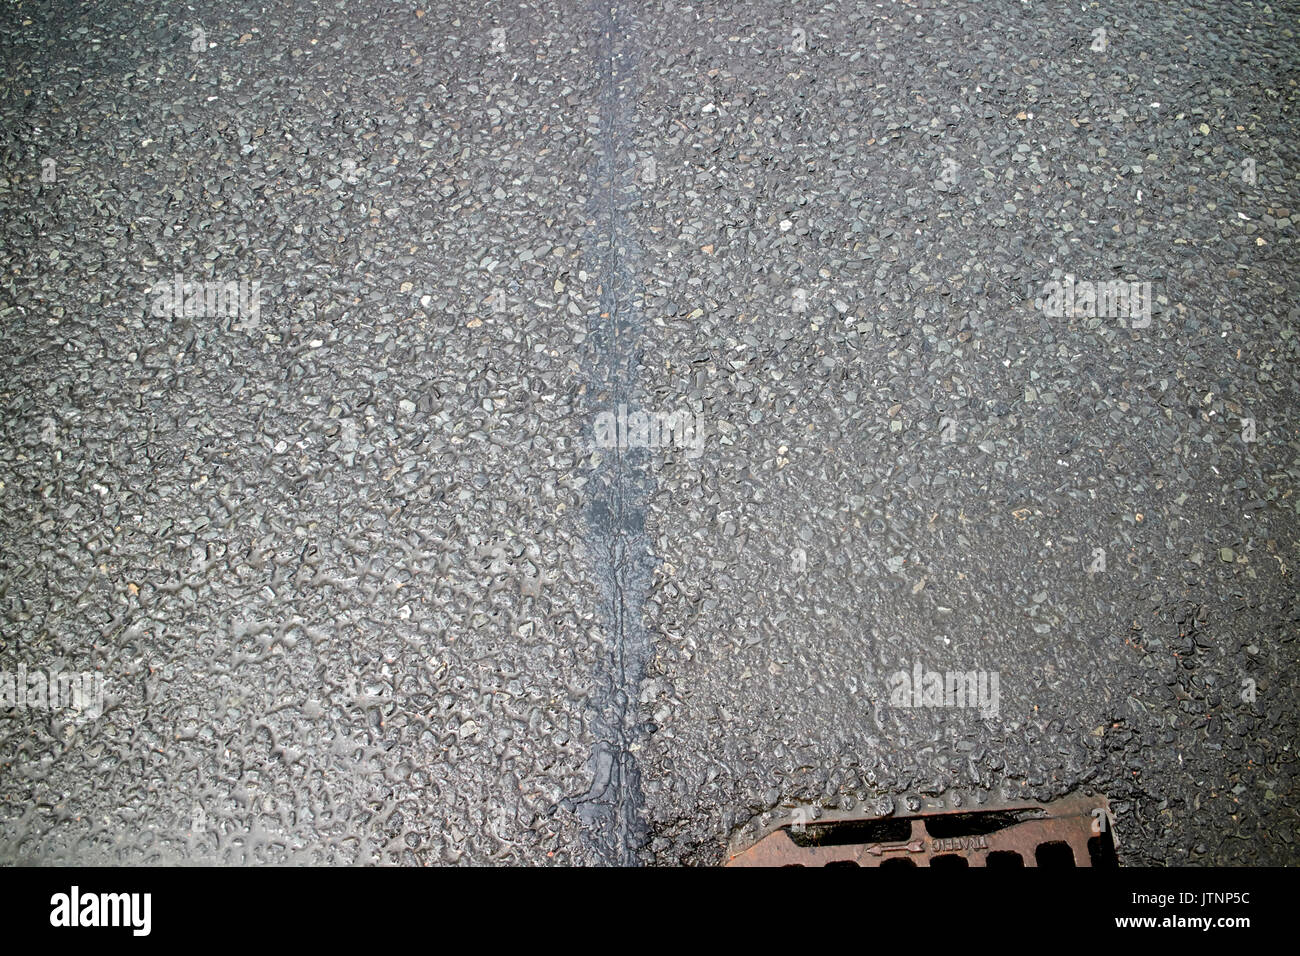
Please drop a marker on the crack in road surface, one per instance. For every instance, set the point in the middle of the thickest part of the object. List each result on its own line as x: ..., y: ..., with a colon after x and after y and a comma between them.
x: 612, y: 808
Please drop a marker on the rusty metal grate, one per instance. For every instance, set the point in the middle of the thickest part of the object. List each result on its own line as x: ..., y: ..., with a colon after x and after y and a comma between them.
x: 1077, y: 830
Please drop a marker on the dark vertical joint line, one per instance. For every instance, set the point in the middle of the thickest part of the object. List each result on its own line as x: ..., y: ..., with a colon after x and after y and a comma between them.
x: 612, y: 809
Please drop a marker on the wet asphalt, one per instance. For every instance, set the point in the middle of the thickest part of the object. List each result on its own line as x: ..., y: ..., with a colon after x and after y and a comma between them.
x: 383, y: 571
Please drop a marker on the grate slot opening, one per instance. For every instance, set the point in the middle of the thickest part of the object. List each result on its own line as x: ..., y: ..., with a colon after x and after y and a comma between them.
x: 851, y: 832
x: 1101, y: 851
x: 951, y: 825
x: 1054, y: 855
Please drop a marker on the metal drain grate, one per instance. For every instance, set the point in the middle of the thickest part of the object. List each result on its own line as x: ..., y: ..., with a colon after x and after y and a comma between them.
x: 1073, y: 831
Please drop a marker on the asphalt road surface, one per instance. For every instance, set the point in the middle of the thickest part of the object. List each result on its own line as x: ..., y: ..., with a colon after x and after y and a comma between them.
x: 560, y: 433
